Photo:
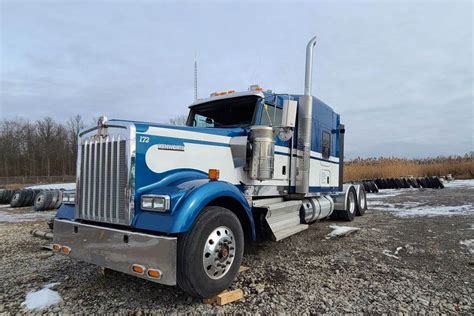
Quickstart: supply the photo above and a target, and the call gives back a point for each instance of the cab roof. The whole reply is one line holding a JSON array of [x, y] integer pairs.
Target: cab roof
[[228, 96]]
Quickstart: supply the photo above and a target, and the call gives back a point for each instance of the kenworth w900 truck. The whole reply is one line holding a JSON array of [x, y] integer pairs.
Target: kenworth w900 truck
[[177, 204]]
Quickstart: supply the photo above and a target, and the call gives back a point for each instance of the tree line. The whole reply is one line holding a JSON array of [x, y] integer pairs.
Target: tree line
[[44, 147], [41, 148]]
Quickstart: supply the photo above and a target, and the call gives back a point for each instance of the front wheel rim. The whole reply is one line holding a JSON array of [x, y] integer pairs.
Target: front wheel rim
[[219, 252]]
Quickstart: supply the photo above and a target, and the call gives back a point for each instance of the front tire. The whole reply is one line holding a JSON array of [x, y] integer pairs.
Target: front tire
[[209, 255]]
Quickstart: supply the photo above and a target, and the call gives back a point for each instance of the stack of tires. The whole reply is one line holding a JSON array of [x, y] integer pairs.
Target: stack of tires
[[24, 197], [373, 186], [6, 196], [47, 200], [369, 186], [430, 182]]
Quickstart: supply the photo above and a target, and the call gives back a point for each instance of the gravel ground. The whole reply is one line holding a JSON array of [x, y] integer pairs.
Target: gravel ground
[[362, 272]]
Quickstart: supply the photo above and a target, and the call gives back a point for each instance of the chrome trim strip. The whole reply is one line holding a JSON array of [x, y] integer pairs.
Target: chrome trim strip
[[106, 176], [95, 128], [95, 182], [130, 186], [99, 193], [117, 187], [83, 166], [111, 205], [89, 203]]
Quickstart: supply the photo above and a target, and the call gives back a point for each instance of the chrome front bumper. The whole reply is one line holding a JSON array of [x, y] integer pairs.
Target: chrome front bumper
[[118, 249]]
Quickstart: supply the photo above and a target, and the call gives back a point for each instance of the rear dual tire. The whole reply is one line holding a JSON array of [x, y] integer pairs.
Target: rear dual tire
[[209, 255], [349, 213], [361, 202]]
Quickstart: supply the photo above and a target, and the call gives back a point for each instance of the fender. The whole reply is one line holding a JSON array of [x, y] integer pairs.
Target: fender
[[188, 198], [66, 211], [196, 200]]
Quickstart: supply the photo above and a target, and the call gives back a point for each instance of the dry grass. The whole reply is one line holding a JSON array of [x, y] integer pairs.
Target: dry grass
[[461, 167]]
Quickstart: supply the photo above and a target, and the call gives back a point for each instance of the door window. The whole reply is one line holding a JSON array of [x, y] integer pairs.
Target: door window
[[326, 145]]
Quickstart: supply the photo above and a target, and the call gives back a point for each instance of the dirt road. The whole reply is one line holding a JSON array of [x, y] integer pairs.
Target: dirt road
[[395, 263]]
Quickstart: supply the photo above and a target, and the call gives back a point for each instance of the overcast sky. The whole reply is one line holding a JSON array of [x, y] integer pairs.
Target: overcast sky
[[400, 73]]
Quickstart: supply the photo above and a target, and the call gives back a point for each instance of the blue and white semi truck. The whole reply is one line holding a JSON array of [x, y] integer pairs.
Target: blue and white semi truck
[[177, 205]]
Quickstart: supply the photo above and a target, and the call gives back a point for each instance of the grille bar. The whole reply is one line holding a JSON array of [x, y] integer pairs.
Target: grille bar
[[103, 181], [117, 183]]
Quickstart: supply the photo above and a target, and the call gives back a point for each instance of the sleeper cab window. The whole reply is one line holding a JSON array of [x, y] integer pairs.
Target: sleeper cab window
[[326, 145]]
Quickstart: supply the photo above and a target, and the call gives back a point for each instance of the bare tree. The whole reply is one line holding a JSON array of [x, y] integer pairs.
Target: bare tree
[[45, 147], [74, 126]]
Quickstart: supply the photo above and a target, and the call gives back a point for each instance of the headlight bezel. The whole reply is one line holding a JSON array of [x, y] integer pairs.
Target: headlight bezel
[[69, 197], [155, 202]]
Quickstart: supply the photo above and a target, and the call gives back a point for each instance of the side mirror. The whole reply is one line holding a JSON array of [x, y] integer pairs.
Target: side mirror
[[288, 116]]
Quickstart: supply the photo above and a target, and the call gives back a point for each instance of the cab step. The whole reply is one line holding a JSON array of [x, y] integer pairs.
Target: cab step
[[283, 217], [279, 235]]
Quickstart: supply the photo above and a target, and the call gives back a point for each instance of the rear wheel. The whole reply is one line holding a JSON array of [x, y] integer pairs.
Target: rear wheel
[[361, 203], [209, 255], [351, 205]]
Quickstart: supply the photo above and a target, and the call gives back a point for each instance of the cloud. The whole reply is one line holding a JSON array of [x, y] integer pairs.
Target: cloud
[[400, 75]]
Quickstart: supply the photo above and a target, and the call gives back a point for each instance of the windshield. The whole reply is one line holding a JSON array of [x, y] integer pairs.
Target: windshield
[[233, 112]]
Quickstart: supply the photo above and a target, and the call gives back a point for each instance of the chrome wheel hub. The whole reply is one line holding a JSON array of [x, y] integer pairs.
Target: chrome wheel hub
[[351, 203], [219, 252], [363, 201]]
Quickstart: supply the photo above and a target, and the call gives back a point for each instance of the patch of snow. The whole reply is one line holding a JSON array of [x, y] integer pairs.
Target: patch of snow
[[412, 209], [44, 298], [386, 193], [397, 250], [460, 183], [469, 243], [51, 285], [16, 218], [388, 253], [339, 231], [57, 186]]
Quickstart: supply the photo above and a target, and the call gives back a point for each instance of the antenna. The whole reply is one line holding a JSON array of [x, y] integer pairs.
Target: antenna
[[195, 77]]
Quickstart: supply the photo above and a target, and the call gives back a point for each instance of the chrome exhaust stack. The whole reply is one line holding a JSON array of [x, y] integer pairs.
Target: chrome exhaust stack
[[305, 112]]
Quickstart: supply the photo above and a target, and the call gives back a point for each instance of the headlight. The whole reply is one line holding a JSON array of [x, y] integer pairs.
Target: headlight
[[69, 197], [159, 203]]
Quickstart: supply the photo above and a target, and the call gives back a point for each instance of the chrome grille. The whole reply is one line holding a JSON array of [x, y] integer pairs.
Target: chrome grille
[[102, 181]]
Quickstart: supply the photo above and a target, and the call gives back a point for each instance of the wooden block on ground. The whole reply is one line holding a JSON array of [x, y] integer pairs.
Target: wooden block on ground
[[243, 269], [225, 297]]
